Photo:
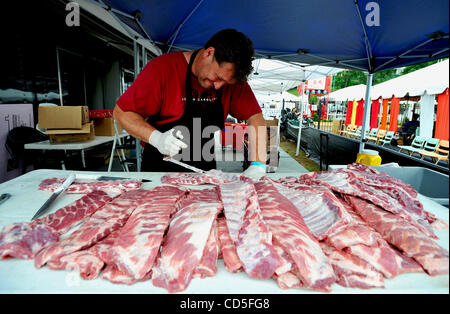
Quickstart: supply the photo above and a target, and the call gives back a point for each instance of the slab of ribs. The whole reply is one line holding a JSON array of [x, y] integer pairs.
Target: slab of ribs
[[354, 227]]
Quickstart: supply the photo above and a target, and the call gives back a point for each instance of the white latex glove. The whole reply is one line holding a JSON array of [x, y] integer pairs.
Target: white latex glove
[[255, 171], [167, 143]]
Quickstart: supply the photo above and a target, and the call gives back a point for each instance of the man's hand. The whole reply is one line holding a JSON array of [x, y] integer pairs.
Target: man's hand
[[166, 142], [255, 171]]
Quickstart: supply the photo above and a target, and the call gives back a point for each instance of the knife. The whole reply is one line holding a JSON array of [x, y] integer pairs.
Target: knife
[[4, 197], [55, 194], [182, 164], [106, 178]]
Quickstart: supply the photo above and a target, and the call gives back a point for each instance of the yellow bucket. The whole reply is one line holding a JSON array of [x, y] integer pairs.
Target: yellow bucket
[[368, 157]]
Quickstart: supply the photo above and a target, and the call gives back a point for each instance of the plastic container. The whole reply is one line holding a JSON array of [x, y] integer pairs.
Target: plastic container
[[427, 182], [368, 157]]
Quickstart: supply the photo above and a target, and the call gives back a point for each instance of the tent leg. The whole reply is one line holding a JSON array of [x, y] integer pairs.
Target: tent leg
[[300, 120], [367, 109], [137, 68]]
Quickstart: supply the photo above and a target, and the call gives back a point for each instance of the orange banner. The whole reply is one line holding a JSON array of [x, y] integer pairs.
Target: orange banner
[[442, 117], [393, 119], [384, 115]]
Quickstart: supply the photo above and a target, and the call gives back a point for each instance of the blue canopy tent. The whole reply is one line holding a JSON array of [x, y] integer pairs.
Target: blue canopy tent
[[365, 35]]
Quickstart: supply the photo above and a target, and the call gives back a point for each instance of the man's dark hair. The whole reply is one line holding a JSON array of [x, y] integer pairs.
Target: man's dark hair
[[233, 46], [415, 116]]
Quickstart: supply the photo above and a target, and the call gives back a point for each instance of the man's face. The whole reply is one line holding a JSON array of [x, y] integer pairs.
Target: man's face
[[211, 74]]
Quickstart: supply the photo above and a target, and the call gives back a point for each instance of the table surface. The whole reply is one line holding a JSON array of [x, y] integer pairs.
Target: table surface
[[20, 276], [98, 140]]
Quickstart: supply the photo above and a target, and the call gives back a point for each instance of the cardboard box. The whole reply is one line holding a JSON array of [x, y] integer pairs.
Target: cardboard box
[[86, 133], [62, 117], [105, 127]]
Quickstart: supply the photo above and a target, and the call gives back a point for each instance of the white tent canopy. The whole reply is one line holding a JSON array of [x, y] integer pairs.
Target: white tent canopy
[[354, 92], [431, 80], [276, 97], [274, 76]]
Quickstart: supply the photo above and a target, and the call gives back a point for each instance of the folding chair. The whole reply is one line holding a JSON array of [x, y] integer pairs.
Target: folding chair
[[357, 132], [350, 129], [429, 146], [441, 152], [416, 145], [387, 138]]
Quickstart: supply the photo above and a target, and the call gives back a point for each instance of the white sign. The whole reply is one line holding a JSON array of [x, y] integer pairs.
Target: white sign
[[318, 83], [271, 113]]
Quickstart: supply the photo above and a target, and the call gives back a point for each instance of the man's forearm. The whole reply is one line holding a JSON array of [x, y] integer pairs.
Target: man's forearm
[[257, 138], [134, 123]]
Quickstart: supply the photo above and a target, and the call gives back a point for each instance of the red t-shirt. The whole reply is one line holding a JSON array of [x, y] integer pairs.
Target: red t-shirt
[[159, 90]]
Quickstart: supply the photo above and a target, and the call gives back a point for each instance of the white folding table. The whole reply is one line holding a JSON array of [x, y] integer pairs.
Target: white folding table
[[81, 146], [20, 276]]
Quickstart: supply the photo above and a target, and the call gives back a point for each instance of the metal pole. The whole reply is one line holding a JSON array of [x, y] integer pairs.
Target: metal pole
[[136, 72], [367, 108], [144, 56], [300, 120], [59, 78]]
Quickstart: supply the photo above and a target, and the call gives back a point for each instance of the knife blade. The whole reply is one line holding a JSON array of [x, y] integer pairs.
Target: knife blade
[[182, 164], [55, 194], [106, 178], [4, 197]]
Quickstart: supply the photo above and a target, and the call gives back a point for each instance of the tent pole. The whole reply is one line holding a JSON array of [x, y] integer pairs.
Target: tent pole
[[136, 72], [367, 109], [300, 120], [175, 34]]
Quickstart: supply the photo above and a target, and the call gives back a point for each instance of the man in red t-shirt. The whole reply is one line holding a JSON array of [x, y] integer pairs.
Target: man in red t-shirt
[[180, 99]]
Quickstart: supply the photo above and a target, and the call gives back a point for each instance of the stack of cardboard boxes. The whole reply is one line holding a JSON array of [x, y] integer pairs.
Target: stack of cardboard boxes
[[66, 124], [104, 122]]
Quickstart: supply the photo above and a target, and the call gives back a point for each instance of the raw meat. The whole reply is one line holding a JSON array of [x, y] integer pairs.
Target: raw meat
[[352, 271], [208, 264], [433, 258], [230, 258], [24, 240], [360, 240], [87, 186], [71, 215], [109, 218], [357, 231], [89, 263], [353, 183], [289, 229], [322, 212], [385, 259], [185, 242], [214, 177], [135, 249], [248, 230]]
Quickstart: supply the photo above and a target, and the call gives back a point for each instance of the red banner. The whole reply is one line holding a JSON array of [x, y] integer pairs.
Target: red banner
[[360, 113], [374, 114]]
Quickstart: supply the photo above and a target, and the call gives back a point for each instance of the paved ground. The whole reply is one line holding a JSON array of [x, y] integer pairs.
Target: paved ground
[[231, 161]]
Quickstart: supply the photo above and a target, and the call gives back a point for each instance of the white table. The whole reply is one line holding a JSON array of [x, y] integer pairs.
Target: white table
[[20, 276], [81, 146]]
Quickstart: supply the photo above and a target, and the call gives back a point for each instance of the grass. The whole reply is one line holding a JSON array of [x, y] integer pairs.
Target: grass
[[291, 147]]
